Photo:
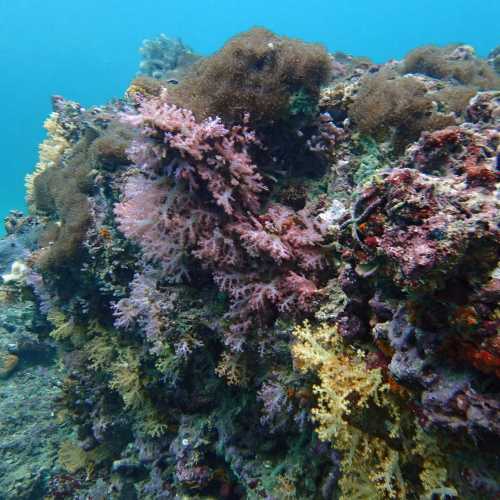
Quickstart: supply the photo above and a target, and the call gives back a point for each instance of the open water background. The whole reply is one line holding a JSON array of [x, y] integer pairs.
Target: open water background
[[88, 50]]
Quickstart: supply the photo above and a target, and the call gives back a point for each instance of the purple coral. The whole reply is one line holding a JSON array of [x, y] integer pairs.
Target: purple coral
[[146, 306], [276, 405]]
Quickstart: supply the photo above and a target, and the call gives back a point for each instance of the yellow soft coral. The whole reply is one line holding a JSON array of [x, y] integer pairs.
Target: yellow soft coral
[[231, 369], [365, 421], [121, 364], [65, 329], [127, 378], [102, 350], [49, 152]]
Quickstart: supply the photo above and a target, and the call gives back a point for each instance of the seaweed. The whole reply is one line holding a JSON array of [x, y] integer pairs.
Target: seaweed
[[386, 103], [456, 98], [61, 193], [256, 72], [109, 150], [453, 62]]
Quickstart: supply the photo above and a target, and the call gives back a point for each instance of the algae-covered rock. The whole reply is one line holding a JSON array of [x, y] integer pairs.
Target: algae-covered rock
[[30, 431], [178, 257]]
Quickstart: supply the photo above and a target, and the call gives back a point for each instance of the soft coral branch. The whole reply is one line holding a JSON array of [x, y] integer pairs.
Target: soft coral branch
[[197, 197]]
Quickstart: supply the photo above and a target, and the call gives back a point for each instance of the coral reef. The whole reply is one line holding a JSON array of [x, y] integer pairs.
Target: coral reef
[[276, 277], [258, 73], [165, 58], [455, 62]]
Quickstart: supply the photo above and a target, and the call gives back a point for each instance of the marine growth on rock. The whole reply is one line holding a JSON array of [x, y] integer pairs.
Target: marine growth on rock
[[274, 277]]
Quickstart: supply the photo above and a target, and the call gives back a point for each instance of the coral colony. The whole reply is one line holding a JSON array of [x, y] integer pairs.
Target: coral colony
[[273, 273]]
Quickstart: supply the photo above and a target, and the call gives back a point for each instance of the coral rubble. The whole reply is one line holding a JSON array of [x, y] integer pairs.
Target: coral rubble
[[274, 278]]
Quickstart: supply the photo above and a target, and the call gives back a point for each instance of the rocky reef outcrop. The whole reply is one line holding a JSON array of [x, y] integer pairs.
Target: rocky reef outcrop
[[297, 298]]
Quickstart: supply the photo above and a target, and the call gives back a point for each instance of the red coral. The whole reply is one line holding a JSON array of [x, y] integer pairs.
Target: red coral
[[486, 357]]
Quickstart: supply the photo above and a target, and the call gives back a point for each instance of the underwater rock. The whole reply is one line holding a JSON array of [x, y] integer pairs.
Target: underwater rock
[[485, 108], [453, 404], [32, 349], [13, 221], [30, 431], [127, 467], [177, 255]]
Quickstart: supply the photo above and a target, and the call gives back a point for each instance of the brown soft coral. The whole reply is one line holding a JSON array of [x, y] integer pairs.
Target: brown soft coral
[[256, 72], [387, 103], [454, 62]]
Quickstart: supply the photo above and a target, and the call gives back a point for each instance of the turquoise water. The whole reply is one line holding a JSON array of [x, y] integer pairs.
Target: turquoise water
[[88, 51]]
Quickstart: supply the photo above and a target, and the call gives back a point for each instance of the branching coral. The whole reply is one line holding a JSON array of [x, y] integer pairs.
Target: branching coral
[[50, 152], [198, 196], [349, 394], [162, 202], [148, 307]]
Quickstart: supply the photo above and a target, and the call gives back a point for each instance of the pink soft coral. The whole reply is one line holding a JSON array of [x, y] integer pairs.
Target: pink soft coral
[[198, 153], [198, 195], [165, 208]]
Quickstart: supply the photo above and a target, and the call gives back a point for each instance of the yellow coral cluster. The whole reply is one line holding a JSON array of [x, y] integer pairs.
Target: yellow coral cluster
[[65, 329], [49, 152], [232, 369], [105, 353], [127, 380], [366, 422], [122, 365]]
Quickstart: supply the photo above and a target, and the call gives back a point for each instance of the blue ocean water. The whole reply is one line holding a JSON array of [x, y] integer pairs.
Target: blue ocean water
[[88, 51]]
